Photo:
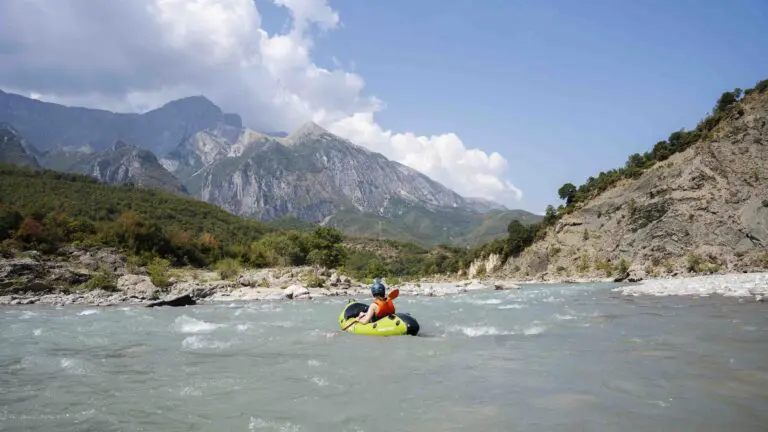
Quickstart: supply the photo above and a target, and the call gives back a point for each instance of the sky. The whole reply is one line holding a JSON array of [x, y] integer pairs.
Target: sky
[[505, 100]]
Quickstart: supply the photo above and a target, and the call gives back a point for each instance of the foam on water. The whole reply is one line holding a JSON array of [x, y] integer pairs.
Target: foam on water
[[485, 302], [191, 391], [203, 342], [321, 382], [475, 331], [74, 366], [89, 312], [186, 324], [259, 424], [512, 306], [27, 315], [534, 330], [37, 331], [244, 327]]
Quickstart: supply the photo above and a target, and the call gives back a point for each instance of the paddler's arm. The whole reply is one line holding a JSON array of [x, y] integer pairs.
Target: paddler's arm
[[368, 315]]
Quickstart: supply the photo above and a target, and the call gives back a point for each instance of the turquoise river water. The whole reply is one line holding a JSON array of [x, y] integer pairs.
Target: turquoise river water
[[547, 357]]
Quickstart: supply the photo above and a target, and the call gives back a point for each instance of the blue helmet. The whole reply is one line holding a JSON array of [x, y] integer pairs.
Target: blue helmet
[[378, 288]]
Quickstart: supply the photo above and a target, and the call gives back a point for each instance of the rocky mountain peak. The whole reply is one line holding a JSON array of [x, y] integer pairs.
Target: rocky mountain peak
[[121, 145], [308, 131], [190, 102]]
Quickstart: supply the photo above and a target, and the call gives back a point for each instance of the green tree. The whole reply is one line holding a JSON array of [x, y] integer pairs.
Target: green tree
[[520, 237], [635, 161], [550, 215], [727, 99], [661, 151], [10, 220], [567, 192], [326, 247]]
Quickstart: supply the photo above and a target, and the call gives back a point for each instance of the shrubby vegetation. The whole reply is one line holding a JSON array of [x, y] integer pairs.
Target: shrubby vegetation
[[406, 260], [45, 210]]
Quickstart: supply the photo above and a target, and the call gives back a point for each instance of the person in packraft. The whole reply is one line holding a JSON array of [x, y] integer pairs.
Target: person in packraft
[[382, 304]]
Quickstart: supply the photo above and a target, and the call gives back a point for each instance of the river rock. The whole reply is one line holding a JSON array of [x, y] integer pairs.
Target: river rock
[[64, 274], [254, 278], [33, 255], [296, 292], [198, 290], [138, 286], [185, 300], [98, 258], [20, 268], [636, 275], [477, 285], [504, 285]]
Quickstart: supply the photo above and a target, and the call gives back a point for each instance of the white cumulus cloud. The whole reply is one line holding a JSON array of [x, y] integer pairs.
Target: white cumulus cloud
[[134, 55]]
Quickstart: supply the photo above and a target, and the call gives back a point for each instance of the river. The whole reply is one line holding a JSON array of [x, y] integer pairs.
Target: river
[[546, 357]]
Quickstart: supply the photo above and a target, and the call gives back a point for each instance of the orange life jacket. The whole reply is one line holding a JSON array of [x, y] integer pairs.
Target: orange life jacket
[[386, 307]]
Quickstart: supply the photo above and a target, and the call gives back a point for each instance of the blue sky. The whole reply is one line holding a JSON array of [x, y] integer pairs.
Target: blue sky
[[562, 89]]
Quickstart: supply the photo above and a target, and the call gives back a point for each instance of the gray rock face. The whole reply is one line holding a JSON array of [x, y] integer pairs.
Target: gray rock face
[[310, 174], [702, 210], [138, 287], [122, 163], [12, 150], [483, 205]]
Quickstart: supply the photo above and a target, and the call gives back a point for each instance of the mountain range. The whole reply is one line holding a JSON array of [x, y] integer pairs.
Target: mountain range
[[310, 175]]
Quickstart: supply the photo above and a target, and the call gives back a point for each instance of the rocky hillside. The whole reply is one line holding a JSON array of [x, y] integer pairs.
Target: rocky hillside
[[51, 126], [120, 164], [703, 209], [12, 149], [126, 163]]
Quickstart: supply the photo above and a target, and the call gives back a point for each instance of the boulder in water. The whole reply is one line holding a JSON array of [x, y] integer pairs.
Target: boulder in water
[[504, 285], [185, 300]]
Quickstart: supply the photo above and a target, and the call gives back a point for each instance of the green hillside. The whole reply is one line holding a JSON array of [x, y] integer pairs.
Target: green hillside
[[418, 224], [62, 208], [45, 210]]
